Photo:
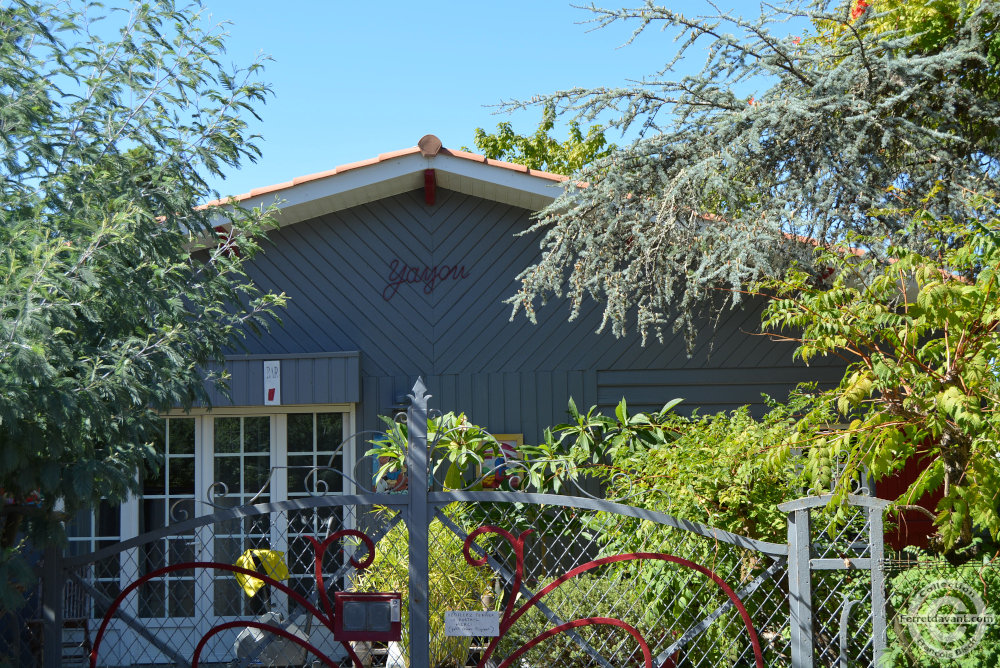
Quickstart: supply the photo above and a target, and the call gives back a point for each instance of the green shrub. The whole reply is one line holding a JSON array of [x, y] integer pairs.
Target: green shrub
[[586, 596]]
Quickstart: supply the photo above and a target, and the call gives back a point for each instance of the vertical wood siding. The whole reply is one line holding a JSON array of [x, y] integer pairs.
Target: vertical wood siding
[[511, 377]]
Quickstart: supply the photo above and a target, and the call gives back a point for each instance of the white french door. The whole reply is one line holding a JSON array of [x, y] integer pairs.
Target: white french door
[[262, 459], [210, 461], [268, 458]]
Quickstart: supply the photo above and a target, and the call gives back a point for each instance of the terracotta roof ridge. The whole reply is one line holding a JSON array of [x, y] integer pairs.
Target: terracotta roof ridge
[[429, 146]]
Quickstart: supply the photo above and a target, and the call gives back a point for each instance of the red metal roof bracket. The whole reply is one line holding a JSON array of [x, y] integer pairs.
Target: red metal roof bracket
[[429, 185]]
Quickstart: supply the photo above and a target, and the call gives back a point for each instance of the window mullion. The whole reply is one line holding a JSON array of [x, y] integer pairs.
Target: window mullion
[[279, 492]]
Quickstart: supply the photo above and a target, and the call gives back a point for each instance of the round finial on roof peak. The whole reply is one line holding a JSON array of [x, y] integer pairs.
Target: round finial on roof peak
[[429, 146]]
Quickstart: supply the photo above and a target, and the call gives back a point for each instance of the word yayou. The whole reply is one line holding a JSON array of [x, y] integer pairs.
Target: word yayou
[[400, 272]]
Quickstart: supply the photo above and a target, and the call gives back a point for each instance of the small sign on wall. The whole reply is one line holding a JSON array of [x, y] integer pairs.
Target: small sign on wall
[[496, 466], [475, 623], [272, 383]]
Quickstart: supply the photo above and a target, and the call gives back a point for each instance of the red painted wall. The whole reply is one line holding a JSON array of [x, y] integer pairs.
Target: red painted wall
[[910, 527]]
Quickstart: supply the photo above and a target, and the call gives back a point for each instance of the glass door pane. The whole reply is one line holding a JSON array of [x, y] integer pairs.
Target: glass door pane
[[242, 460], [314, 466], [90, 530], [167, 498]]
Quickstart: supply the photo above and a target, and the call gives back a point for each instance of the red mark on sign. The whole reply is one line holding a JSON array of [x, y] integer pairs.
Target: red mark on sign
[[270, 394]]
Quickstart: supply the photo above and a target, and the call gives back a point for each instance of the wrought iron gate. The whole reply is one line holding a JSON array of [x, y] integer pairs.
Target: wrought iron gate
[[567, 580]]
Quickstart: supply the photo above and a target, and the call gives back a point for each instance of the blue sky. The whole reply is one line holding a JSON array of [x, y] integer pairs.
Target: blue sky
[[353, 79]]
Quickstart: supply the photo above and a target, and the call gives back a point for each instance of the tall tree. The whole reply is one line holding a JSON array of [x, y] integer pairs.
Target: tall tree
[[108, 313], [540, 150], [853, 130], [921, 341]]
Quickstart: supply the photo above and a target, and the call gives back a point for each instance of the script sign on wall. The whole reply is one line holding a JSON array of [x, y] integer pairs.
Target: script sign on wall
[[430, 277]]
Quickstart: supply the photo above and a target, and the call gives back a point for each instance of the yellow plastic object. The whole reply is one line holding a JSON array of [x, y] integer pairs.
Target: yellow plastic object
[[272, 562]]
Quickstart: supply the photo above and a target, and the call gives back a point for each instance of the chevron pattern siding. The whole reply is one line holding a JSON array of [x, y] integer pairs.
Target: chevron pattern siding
[[419, 290]]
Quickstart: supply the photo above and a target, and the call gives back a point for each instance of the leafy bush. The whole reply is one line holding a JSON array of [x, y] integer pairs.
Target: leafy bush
[[457, 447], [705, 469], [585, 596]]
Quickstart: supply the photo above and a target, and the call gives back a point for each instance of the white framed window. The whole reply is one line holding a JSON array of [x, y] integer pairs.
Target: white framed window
[[90, 530], [168, 496], [260, 453]]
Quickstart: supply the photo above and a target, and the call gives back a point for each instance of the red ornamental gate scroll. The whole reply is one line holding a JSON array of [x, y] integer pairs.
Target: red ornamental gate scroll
[[510, 615]]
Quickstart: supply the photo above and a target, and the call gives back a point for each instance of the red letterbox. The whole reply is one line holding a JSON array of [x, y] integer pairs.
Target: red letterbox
[[367, 616]]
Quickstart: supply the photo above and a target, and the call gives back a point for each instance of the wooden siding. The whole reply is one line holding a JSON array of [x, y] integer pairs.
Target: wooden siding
[[709, 390], [335, 270], [323, 378], [505, 402], [510, 376]]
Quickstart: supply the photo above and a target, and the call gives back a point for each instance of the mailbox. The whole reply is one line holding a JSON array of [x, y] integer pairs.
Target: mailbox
[[367, 616]]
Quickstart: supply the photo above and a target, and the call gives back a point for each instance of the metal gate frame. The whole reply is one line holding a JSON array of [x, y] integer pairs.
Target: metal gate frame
[[804, 556]]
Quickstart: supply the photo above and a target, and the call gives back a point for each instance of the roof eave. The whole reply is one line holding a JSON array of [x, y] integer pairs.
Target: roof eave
[[399, 172]]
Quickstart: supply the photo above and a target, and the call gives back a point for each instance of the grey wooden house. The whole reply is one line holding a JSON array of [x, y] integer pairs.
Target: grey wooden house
[[398, 267]]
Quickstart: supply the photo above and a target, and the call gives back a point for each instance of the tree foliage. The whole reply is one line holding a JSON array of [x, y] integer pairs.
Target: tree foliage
[[852, 131], [930, 24], [710, 473], [108, 313], [921, 336], [693, 467], [541, 150]]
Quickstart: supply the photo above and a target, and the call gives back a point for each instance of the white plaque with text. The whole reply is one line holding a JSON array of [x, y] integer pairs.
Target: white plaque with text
[[477, 623], [272, 383]]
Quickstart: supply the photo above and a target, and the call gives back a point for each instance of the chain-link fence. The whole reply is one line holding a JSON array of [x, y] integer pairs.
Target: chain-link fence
[[942, 614], [597, 567], [571, 582], [184, 598], [842, 594], [581, 565]]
